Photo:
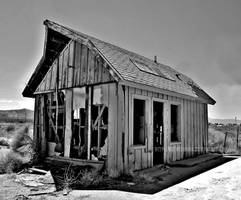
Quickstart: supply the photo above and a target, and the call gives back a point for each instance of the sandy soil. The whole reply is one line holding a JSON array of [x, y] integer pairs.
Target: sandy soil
[[222, 182]]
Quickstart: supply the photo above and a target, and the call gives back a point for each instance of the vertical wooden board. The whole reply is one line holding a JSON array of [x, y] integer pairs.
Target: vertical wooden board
[[65, 67], [90, 67], [144, 162], [195, 136], [192, 128], [68, 121], [120, 129], [206, 124], [96, 69], [43, 133], [100, 69], [84, 64], [138, 159], [189, 129], [138, 91], [71, 53], [166, 119], [105, 75], [182, 131], [175, 152], [77, 63], [54, 75], [36, 120], [185, 129], [112, 130], [198, 129], [60, 70], [70, 65], [149, 94], [48, 79], [144, 92], [201, 128], [127, 146]]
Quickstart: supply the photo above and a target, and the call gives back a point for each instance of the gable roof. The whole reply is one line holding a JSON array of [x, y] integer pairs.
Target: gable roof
[[127, 65]]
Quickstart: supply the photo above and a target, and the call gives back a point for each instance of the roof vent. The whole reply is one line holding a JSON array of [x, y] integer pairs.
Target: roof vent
[[155, 59]]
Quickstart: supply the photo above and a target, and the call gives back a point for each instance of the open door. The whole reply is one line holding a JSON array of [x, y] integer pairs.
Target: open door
[[158, 134]]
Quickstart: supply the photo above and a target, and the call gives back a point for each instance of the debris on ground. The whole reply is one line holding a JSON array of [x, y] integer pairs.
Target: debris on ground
[[37, 183]]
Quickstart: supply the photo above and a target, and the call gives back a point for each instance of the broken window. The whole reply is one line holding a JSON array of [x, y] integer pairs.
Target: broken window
[[79, 139], [175, 123], [55, 119], [99, 124], [139, 122]]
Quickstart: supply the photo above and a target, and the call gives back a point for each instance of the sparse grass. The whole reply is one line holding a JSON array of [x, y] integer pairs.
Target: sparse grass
[[10, 127]]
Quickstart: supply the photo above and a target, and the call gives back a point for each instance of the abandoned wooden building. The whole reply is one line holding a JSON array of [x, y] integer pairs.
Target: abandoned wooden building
[[98, 103]]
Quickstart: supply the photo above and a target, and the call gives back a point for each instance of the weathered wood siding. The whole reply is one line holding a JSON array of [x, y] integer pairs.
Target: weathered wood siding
[[194, 130], [77, 65]]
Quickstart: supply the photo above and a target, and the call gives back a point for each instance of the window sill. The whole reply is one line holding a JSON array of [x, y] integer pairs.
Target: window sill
[[138, 146], [173, 143]]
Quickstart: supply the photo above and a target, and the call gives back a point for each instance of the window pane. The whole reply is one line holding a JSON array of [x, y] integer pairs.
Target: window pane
[[139, 122], [175, 124]]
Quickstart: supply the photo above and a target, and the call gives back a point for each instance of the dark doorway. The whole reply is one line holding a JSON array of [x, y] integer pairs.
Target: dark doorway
[[158, 134]]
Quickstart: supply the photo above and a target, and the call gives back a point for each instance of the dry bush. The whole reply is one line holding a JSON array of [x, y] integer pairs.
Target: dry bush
[[11, 162], [10, 127]]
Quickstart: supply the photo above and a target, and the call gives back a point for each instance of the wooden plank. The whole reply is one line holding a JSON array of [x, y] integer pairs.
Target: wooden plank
[[65, 67], [126, 103], [182, 131], [189, 128], [112, 130], [138, 159], [96, 69], [100, 67], [120, 129], [42, 130], [84, 64], [186, 153], [77, 64], [68, 122], [72, 54], [195, 129], [90, 67], [89, 130], [60, 70], [167, 124]]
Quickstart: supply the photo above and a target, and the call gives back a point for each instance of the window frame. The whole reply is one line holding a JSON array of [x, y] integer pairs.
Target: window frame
[[147, 120], [180, 115]]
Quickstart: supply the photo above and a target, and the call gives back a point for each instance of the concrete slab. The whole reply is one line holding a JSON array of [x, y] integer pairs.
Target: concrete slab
[[194, 161]]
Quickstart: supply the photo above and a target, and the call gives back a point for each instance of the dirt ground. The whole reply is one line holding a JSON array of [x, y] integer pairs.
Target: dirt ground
[[173, 175]]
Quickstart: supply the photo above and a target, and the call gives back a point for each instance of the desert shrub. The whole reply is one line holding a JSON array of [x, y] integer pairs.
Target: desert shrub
[[10, 127], [20, 138], [11, 162], [77, 177], [3, 142]]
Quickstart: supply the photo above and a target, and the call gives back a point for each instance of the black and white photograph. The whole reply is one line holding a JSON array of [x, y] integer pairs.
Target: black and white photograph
[[120, 99]]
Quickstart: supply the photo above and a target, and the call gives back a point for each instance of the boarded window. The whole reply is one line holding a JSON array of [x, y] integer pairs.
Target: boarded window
[[175, 123], [139, 122]]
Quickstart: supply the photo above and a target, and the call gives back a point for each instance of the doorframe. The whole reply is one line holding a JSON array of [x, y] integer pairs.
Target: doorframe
[[166, 126]]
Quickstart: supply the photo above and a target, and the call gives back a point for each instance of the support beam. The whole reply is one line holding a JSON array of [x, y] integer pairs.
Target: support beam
[[89, 122], [68, 122]]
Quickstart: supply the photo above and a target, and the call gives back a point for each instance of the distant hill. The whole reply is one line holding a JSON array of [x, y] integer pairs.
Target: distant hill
[[21, 115], [223, 121]]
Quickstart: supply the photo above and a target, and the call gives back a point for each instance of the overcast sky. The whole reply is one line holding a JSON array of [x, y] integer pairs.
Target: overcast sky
[[200, 38]]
